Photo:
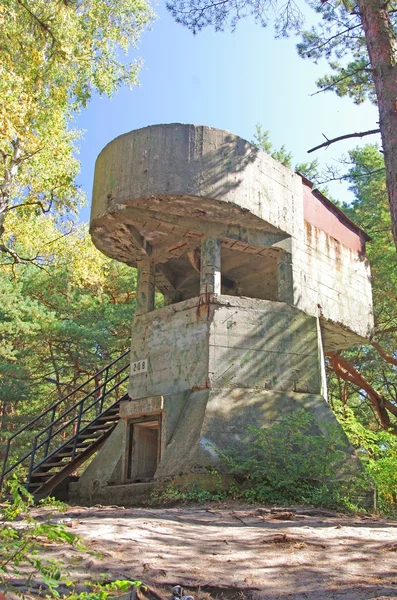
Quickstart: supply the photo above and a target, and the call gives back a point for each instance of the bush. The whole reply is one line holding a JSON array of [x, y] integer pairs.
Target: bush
[[378, 452], [297, 460]]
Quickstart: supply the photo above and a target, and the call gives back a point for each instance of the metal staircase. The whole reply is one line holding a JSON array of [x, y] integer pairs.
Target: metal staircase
[[66, 434]]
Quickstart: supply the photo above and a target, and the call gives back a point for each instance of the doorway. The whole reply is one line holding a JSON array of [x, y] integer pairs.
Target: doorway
[[144, 446]]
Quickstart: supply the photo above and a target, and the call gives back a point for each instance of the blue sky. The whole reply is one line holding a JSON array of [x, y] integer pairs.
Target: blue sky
[[227, 80]]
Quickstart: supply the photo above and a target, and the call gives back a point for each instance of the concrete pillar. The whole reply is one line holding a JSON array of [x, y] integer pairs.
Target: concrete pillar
[[285, 288], [210, 274], [145, 287]]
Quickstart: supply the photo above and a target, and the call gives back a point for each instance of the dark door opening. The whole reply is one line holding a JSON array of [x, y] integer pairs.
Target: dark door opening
[[143, 448]]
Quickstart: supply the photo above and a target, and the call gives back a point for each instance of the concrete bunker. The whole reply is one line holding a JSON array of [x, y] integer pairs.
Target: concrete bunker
[[261, 276]]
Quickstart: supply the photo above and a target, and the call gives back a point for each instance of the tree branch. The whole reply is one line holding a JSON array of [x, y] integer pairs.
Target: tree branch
[[349, 373], [42, 25], [331, 85], [389, 359], [17, 259], [347, 176], [343, 137], [339, 34]]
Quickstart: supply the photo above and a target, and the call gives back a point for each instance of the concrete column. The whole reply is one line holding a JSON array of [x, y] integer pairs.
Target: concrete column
[[285, 287], [210, 274], [145, 287]]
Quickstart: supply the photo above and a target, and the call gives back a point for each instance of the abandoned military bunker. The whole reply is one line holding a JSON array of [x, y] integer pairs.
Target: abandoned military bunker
[[261, 276]]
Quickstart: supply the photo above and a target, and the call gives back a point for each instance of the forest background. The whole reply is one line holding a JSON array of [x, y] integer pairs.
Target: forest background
[[66, 309]]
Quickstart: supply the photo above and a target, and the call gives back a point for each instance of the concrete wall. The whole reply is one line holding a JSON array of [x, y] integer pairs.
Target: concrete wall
[[174, 341], [213, 370], [263, 345], [229, 342], [164, 187], [221, 367], [335, 279]]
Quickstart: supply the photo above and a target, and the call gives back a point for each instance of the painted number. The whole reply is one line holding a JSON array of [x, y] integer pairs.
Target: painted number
[[140, 366]]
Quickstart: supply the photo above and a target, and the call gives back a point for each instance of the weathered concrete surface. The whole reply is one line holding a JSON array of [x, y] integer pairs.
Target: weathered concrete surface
[[160, 190], [262, 275], [119, 495], [214, 370], [228, 342]]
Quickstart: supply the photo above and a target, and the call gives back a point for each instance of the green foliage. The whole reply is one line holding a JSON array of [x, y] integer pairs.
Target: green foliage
[[103, 591], [262, 141], [296, 460], [55, 55], [339, 39], [378, 452], [186, 494], [197, 14], [61, 324], [20, 545]]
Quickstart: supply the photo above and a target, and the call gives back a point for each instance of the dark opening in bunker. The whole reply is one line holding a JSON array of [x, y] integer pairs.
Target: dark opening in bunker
[[242, 274], [250, 275], [144, 444]]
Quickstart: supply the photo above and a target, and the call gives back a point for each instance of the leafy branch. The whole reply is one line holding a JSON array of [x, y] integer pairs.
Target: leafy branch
[[348, 75]]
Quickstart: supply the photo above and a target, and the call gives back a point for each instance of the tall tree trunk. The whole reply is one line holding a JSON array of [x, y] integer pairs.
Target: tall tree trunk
[[382, 49]]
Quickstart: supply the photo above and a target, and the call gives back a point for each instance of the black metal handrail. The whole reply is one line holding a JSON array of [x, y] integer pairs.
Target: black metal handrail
[[98, 395]]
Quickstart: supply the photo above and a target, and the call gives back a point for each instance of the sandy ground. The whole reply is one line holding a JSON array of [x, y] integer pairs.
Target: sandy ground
[[238, 552]]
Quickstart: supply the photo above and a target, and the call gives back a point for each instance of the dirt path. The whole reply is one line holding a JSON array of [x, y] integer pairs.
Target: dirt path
[[240, 552]]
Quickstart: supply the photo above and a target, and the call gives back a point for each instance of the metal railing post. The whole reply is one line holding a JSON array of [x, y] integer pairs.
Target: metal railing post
[[47, 444], [76, 435], [103, 393], [31, 466], [4, 464]]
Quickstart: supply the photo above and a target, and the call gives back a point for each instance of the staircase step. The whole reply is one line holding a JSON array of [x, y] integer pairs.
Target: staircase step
[[112, 415], [55, 464], [65, 454], [71, 446], [100, 426], [94, 433], [49, 466]]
